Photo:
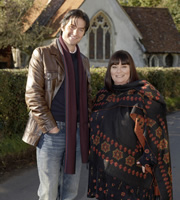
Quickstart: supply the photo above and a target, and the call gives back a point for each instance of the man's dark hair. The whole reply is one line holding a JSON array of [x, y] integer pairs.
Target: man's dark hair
[[75, 13]]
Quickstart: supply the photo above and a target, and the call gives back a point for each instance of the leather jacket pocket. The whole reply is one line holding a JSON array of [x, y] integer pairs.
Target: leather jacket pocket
[[50, 80]]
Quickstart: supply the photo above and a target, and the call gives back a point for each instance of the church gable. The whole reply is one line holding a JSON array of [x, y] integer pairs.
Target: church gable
[[111, 29]]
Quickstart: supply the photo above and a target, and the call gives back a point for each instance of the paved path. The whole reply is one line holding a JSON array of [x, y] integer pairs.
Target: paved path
[[174, 137], [23, 186]]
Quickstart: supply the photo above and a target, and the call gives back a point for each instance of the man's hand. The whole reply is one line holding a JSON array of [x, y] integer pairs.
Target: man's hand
[[55, 130]]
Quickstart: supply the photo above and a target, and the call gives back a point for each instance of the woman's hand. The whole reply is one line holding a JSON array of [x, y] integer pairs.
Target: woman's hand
[[143, 168]]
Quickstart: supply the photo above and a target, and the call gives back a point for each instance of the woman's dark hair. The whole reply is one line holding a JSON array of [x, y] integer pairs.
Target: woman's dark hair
[[125, 59], [75, 13]]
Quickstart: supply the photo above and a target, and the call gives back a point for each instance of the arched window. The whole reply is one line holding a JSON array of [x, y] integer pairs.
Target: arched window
[[100, 37], [169, 60], [154, 61]]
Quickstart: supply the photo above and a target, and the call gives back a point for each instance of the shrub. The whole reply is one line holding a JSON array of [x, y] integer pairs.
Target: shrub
[[166, 80], [97, 79], [13, 109]]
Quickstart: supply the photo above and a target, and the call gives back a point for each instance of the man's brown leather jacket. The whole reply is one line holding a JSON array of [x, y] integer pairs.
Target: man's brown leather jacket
[[45, 76]]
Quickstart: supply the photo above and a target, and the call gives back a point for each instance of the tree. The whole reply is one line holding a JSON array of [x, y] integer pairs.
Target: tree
[[174, 9], [141, 3], [11, 26], [173, 6]]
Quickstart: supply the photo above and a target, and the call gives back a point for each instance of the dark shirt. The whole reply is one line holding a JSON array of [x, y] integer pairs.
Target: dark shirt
[[58, 103]]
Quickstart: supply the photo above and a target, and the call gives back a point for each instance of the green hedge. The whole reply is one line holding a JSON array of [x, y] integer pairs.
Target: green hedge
[[166, 80], [13, 110]]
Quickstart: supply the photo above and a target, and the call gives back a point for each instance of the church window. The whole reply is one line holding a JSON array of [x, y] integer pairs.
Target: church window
[[154, 61], [100, 37], [169, 60]]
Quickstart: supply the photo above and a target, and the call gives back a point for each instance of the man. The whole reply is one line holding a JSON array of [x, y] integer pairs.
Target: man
[[58, 96]]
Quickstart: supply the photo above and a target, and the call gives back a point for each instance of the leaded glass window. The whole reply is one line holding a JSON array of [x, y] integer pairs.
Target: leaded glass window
[[100, 37]]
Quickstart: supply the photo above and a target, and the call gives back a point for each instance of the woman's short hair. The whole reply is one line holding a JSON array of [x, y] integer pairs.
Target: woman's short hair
[[125, 59], [75, 13]]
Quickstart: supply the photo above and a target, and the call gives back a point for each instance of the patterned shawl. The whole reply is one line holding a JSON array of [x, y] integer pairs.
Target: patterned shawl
[[129, 125]]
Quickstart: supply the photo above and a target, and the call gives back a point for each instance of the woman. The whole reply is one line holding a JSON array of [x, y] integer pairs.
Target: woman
[[129, 150]]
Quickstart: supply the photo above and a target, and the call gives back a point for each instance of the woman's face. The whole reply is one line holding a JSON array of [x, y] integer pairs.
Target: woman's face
[[120, 74]]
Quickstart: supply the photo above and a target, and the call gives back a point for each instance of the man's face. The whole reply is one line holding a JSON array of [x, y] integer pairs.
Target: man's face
[[73, 31]]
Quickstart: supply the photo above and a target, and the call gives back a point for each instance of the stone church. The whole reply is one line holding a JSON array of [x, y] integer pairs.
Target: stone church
[[148, 34]]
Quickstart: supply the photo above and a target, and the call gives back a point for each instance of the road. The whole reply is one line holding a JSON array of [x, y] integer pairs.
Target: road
[[23, 185]]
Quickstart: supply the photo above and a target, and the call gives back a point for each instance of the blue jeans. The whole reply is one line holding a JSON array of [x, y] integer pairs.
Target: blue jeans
[[54, 183]]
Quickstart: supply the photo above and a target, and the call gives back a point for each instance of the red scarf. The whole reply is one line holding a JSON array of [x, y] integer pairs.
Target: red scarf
[[71, 110]]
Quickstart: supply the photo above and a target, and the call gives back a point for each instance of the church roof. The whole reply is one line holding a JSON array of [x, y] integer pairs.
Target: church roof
[[157, 28], [34, 13], [49, 13]]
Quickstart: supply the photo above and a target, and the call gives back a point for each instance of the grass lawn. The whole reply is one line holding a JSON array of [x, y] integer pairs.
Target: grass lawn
[[15, 154]]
